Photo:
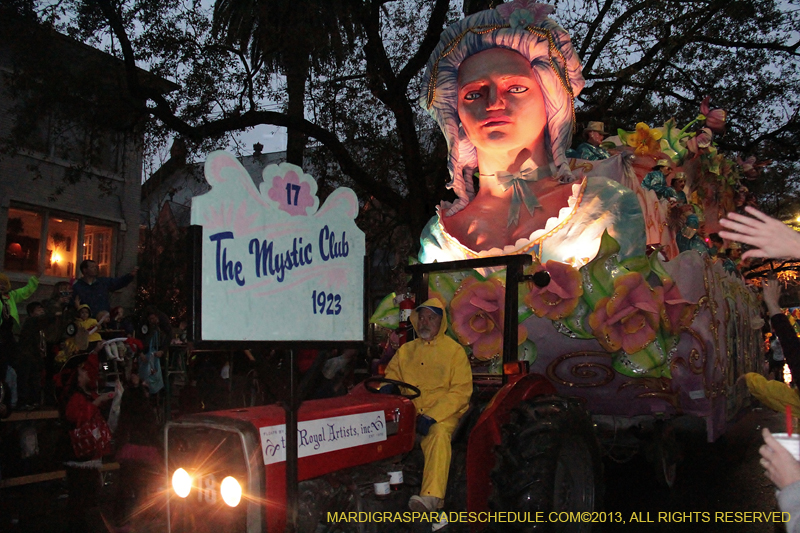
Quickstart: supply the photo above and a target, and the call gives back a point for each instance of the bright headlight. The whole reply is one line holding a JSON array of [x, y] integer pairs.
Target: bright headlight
[[231, 491], [181, 482]]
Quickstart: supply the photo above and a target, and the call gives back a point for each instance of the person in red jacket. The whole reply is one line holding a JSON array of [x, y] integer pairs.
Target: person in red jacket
[[83, 473]]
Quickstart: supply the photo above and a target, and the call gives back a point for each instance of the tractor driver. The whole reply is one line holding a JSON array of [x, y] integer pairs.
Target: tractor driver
[[438, 366]]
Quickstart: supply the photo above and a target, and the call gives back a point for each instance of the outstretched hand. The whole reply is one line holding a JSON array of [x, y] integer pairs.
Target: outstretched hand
[[781, 468], [769, 236], [772, 293]]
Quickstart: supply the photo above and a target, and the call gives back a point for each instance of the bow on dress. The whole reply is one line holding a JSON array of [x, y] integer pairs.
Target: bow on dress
[[521, 194]]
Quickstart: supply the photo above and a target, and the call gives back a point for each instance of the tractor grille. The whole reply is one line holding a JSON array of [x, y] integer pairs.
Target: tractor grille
[[209, 452]]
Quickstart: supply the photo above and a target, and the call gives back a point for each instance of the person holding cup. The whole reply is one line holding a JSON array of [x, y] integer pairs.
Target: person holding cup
[[783, 469]]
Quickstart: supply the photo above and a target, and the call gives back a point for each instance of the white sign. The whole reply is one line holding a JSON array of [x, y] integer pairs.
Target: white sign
[[276, 265], [324, 435]]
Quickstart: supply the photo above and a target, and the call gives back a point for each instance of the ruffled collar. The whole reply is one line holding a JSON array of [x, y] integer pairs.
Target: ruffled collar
[[552, 225]]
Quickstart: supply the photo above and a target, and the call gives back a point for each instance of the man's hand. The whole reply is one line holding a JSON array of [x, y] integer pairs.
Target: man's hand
[[424, 424], [781, 468], [134, 271], [769, 236]]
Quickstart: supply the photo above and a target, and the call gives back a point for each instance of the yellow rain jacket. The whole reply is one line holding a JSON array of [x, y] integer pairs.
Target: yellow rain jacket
[[774, 394], [441, 371]]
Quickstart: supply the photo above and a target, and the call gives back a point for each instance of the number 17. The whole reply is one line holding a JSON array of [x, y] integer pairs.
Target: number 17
[[289, 188]]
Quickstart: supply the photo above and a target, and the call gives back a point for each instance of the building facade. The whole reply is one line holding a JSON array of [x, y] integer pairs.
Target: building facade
[[69, 190]]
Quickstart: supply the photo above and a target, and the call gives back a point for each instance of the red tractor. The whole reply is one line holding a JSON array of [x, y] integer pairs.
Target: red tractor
[[521, 449]]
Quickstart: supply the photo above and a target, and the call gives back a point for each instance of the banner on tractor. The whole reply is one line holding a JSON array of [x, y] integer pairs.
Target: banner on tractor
[[324, 435], [277, 266]]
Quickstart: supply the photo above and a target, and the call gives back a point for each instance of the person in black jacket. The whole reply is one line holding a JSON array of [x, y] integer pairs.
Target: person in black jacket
[[782, 327]]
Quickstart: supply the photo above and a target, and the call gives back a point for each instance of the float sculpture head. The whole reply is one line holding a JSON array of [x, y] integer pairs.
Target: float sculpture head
[[521, 26]]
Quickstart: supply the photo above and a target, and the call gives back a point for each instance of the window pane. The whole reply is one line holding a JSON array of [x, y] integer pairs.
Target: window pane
[[97, 247], [62, 240], [23, 236]]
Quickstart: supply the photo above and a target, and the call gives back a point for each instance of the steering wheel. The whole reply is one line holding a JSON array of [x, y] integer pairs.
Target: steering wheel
[[415, 392]]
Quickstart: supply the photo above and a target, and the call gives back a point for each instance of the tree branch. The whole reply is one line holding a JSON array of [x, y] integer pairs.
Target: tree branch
[[426, 47]]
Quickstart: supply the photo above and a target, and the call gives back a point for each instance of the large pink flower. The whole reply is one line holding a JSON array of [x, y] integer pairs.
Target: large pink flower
[[715, 118], [477, 311], [560, 297], [700, 142], [629, 318], [678, 312]]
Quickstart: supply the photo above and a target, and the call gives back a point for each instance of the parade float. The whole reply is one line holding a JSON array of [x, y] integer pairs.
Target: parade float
[[583, 291]]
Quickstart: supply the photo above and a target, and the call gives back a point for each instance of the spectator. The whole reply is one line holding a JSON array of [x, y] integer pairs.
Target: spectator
[[30, 355], [90, 324], [94, 291], [155, 342], [119, 322], [82, 406], [138, 452], [9, 316], [9, 327], [768, 236], [783, 470]]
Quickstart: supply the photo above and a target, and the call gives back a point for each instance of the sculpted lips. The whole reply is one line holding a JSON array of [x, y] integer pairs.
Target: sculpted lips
[[496, 121]]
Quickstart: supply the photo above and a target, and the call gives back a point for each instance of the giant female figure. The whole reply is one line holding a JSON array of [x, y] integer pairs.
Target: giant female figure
[[501, 84]]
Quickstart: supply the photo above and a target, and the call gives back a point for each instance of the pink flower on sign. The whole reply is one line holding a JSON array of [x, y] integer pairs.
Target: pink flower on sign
[[291, 194], [522, 13]]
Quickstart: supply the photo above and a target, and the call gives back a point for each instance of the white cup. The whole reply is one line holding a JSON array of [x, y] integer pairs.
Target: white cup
[[382, 488], [396, 479], [790, 443]]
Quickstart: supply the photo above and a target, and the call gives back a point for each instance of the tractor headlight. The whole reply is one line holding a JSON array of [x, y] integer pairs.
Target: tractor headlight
[[182, 482], [231, 491]]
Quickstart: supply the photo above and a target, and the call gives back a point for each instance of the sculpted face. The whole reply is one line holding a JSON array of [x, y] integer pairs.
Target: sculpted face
[[500, 103]]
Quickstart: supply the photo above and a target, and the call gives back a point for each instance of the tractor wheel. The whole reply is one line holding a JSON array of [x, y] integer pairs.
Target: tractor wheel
[[548, 461]]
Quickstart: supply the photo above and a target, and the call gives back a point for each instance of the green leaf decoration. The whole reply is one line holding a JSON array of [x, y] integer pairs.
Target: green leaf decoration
[[651, 362], [527, 352], [447, 283], [623, 136], [387, 314], [639, 263], [523, 311], [658, 268], [575, 325], [598, 281]]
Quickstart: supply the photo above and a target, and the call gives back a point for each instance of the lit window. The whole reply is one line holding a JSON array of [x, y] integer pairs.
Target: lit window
[[23, 239], [97, 247], [40, 240], [61, 254]]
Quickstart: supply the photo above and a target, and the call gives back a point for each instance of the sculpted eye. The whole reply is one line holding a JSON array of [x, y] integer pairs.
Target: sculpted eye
[[517, 89], [472, 95]]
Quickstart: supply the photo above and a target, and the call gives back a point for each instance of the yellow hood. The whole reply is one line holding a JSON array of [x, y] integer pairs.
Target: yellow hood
[[431, 302]]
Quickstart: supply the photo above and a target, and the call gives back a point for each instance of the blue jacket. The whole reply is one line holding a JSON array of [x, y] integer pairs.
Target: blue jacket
[[96, 294]]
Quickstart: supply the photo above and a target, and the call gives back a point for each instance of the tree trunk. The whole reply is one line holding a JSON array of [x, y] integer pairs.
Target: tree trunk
[[296, 70]]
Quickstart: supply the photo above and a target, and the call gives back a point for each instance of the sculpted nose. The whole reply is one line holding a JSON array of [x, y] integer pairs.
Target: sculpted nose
[[495, 99]]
